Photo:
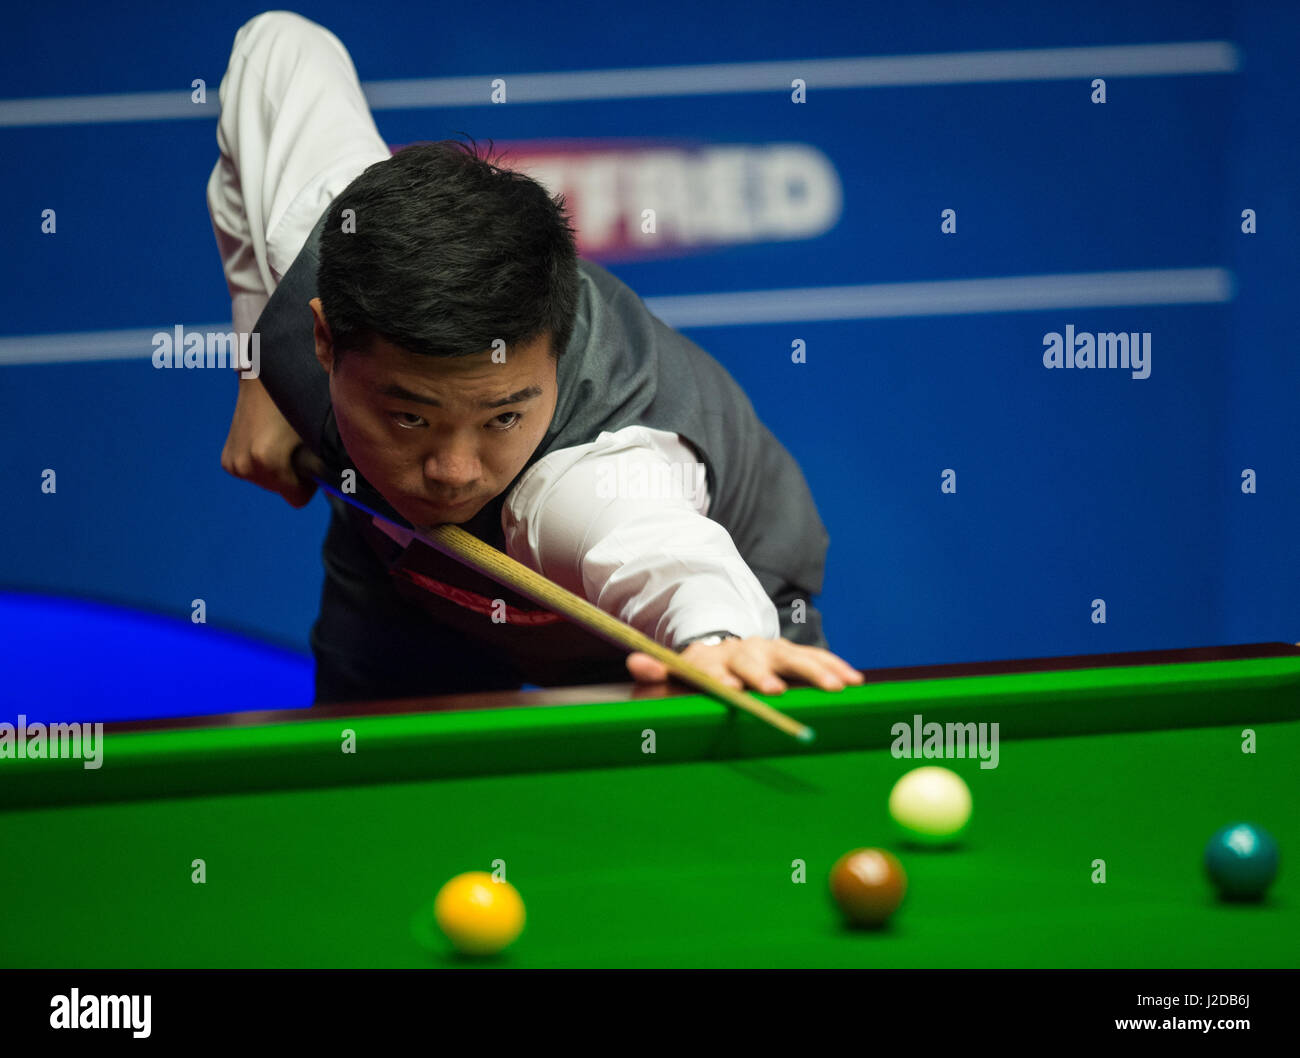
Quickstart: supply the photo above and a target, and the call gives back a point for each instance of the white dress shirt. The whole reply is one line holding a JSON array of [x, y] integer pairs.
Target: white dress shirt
[[294, 131], [622, 520]]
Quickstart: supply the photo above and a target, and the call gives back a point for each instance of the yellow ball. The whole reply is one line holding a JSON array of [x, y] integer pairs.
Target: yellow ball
[[931, 805], [479, 915]]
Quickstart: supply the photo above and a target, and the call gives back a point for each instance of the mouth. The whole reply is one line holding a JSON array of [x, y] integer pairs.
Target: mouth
[[443, 509]]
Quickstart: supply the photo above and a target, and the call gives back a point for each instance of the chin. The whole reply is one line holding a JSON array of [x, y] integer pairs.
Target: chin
[[425, 519], [425, 515]]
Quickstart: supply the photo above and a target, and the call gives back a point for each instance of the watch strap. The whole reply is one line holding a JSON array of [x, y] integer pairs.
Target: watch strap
[[709, 639]]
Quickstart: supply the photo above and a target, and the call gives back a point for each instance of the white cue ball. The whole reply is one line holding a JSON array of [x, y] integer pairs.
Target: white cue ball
[[931, 805]]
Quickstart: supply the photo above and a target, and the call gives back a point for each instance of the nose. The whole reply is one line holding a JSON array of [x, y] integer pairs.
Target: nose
[[451, 470]]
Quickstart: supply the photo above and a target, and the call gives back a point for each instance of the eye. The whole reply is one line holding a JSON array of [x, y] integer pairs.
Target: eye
[[513, 416], [408, 420]]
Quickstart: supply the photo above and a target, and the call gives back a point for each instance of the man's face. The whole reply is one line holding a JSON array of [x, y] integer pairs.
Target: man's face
[[439, 437]]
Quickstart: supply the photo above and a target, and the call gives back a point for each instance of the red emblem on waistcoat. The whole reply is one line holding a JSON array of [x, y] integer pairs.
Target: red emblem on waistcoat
[[479, 604]]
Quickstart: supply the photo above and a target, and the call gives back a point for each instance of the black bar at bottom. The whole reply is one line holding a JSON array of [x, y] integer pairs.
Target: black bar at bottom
[[908, 1009]]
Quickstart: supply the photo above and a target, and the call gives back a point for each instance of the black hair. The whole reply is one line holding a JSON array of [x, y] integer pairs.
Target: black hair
[[449, 253]]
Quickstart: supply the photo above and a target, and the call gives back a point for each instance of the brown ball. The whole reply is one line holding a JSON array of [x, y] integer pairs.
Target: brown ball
[[868, 885]]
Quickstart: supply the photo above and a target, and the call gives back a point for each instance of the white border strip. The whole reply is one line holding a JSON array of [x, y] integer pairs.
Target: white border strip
[[90, 346], [953, 297], [104, 109], [971, 67]]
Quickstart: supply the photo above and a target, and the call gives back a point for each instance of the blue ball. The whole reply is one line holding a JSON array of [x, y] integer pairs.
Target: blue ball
[[1241, 860]]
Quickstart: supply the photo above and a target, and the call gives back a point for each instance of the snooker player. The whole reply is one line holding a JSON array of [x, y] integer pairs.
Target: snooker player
[[425, 321]]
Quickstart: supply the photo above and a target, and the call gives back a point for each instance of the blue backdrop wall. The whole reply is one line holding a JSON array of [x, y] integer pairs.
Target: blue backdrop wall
[[924, 349]]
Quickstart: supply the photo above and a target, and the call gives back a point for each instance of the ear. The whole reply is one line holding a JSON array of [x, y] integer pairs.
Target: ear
[[324, 341]]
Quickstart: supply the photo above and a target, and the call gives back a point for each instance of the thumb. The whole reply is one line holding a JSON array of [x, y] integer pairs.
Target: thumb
[[645, 669], [296, 491]]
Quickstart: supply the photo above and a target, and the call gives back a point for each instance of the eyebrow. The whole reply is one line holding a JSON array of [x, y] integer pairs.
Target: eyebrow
[[402, 393]]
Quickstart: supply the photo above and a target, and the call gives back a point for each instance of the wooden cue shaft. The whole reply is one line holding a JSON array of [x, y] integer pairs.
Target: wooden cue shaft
[[454, 541], [468, 549]]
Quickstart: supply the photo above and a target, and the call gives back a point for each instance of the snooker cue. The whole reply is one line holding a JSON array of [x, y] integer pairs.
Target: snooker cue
[[469, 550]]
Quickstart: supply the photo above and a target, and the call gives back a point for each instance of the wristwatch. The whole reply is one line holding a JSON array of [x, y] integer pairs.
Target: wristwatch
[[708, 639]]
